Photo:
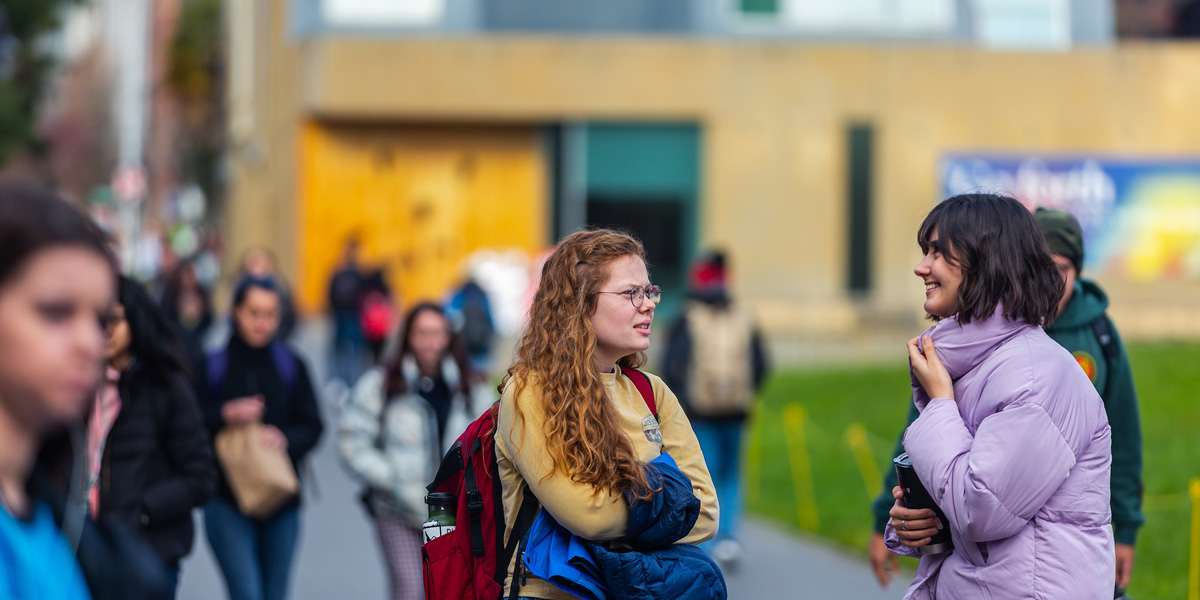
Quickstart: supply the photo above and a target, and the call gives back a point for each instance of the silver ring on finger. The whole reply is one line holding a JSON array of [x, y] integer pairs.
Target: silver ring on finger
[[903, 525]]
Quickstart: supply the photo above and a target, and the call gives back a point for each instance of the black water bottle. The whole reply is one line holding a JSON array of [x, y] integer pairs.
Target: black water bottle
[[916, 496]]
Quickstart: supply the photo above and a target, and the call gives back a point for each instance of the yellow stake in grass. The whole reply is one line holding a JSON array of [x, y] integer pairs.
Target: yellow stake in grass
[[802, 480], [754, 458], [856, 437], [1194, 560]]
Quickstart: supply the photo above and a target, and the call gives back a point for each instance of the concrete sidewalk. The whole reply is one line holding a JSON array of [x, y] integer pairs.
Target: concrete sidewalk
[[781, 565]]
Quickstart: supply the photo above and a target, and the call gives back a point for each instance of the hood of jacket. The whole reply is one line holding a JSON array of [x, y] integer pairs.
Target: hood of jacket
[[1087, 303]]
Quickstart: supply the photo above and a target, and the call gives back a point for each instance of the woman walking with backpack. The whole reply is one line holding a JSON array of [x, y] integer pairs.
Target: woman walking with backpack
[[397, 425], [152, 462], [574, 433], [257, 379], [1012, 442]]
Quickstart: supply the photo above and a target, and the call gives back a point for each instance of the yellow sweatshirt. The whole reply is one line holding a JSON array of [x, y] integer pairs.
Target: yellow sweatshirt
[[599, 517]]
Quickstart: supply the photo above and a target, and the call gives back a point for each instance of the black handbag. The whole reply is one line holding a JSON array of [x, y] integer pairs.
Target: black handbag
[[116, 564]]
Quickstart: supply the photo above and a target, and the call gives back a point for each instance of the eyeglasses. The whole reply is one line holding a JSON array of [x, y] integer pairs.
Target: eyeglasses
[[638, 294]]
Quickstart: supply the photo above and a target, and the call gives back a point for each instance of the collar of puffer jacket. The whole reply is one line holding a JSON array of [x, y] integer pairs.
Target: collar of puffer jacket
[[961, 347]]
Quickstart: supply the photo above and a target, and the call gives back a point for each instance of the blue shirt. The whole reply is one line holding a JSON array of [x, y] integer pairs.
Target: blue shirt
[[36, 563]]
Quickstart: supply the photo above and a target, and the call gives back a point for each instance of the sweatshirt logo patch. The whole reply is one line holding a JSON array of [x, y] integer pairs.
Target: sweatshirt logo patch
[[1088, 363], [650, 428]]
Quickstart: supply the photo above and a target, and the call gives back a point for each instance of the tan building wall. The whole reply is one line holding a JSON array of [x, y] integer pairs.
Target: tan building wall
[[773, 118]]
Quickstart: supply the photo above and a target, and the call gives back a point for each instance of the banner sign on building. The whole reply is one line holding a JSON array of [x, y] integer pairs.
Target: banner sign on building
[[1140, 218]]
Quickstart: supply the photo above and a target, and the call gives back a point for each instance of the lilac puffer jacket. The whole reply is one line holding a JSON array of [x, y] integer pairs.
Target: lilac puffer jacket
[[1019, 465]]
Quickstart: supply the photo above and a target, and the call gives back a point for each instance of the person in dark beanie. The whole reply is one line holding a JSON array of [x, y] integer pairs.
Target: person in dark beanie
[[716, 363], [1082, 327]]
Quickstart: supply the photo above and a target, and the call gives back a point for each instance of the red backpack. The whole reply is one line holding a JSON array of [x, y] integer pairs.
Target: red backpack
[[471, 562], [377, 315]]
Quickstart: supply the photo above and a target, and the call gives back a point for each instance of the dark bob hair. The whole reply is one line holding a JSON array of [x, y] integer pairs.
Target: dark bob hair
[[34, 219], [247, 283], [1002, 254]]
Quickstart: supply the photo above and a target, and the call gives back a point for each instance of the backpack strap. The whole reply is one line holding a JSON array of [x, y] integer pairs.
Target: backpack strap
[[474, 501], [1108, 344], [285, 364], [642, 383], [218, 363], [516, 542]]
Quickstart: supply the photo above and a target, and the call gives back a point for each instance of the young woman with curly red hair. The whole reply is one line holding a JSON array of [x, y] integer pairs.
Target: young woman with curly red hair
[[573, 428]]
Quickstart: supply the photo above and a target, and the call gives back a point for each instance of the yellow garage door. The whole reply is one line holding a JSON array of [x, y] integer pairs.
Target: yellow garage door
[[420, 199]]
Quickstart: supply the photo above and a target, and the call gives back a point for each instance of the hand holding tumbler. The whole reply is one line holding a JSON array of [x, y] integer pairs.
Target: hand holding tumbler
[[916, 496]]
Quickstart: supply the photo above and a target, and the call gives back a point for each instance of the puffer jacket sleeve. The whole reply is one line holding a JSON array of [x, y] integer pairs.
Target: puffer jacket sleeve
[[358, 431], [991, 484], [669, 514]]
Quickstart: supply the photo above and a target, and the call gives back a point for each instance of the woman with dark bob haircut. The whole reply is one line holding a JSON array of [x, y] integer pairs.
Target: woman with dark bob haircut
[[1012, 442]]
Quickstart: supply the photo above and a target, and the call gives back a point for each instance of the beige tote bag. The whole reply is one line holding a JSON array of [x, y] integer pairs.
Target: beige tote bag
[[262, 478]]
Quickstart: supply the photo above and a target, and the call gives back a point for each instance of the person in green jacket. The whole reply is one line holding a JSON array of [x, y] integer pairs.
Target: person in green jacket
[[1083, 328]]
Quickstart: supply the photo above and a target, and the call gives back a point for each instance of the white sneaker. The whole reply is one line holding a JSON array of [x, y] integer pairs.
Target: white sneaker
[[728, 553]]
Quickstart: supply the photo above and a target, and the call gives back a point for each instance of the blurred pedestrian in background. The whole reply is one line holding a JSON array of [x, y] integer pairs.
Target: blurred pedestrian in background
[[56, 292], [259, 263], [1084, 329], [188, 305], [470, 311], [346, 289], [151, 458], [1013, 443], [401, 419], [716, 363], [258, 379], [378, 314]]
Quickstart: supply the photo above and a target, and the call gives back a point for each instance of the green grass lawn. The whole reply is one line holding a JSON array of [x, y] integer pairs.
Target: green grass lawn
[[876, 398]]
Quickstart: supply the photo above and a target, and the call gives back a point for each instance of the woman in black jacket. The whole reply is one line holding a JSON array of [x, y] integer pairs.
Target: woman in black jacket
[[257, 378], [146, 434]]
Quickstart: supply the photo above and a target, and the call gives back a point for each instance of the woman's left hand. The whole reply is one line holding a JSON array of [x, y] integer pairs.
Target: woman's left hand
[[932, 376]]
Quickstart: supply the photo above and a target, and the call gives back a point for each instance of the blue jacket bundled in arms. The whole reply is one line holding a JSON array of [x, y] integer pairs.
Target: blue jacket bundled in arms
[[652, 567]]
